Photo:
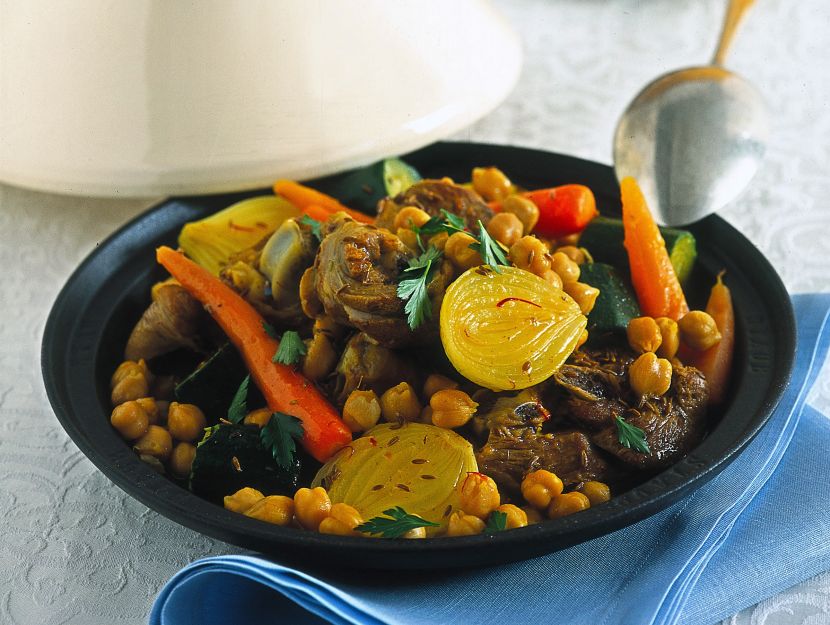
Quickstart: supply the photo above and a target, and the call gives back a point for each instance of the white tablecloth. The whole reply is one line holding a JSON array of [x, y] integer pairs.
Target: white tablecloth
[[75, 549]]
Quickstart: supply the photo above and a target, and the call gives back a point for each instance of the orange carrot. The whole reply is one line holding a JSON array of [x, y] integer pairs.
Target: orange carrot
[[284, 389], [563, 210], [317, 212], [652, 274], [302, 196], [716, 362]]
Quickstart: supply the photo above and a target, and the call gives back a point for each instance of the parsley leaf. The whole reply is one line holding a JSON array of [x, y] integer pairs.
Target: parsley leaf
[[490, 250], [208, 433], [291, 349], [496, 522], [269, 330], [448, 222], [280, 435], [412, 288], [239, 404], [395, 524], [314, 224], [631, 436]]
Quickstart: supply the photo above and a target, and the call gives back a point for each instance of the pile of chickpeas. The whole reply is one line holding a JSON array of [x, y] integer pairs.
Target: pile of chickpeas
[[657, 341], [163, 433], [478, 496]]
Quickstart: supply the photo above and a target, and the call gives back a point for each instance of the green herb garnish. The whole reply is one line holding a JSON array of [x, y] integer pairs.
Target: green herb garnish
[[412, 288], [490, 250], [496, 522], [269, 330], [239, 404], [447, 222], [314, 224], [208, 433], [280, 435], [631, 436], [291, 349], [395, 524]]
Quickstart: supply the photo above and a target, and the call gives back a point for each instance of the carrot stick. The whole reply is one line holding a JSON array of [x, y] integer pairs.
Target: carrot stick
[[284, 389], [317, 212], [652, 274], [302, 196], [716, 362]]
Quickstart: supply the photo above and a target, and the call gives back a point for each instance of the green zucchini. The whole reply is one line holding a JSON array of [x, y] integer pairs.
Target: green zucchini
[[231, 457], [363, 188], [616, 305], [603, 238], [214, 382]]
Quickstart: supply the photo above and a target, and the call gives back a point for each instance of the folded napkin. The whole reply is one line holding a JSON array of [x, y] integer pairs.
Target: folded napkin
[[759, 527]]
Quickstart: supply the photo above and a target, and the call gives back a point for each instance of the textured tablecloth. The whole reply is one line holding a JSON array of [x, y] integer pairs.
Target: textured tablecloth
[[75, 549]]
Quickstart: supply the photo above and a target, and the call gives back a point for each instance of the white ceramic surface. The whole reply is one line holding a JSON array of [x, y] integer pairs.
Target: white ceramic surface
[[153, 97]]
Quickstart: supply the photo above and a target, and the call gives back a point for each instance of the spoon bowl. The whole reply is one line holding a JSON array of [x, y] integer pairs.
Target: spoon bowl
[[693, 139]]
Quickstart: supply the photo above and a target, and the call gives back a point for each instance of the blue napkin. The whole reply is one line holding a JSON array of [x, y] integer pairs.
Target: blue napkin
[[759, 527]]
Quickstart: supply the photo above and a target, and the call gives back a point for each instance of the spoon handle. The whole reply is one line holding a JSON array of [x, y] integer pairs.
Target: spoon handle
[[734, 13]]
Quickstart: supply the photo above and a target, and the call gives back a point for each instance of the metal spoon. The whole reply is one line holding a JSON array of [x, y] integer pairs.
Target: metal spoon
[[695, 137]]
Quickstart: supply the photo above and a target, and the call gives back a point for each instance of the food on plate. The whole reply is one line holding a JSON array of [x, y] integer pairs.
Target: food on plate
[[472, 358]]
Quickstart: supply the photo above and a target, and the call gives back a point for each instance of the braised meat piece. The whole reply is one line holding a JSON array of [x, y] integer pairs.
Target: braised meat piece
[[356, 276], [598, 392], [516, 446], [365, 365], [433, 195]]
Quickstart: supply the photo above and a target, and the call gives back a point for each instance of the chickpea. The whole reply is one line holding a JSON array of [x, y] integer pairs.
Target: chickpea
[[276, 509], [436, 382], [505, 228], [583, 294], [533, 515], [478, 495], [698, 330], [400, 403], [576, 254], [451, 408], [461, 524], [259, 417], [650, 375], [151, 408], [156, 442], [458, 251], [408, 237], [553, 278], [181, 460], [311, 506], [130, 419], [524, 209], [568, 503], [515, 516], [669, 337], [130, 381], [539, 487], [644, 334], [596, 492], [567, 269], [438, 241], [491, 183], [530, 254], [410, 216], [320, 358], [416, 532], [186, 422], [342, 521], [242, 499], [361, 410]]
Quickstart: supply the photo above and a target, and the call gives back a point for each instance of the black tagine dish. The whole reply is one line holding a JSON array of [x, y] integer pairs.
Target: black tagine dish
[[95, 312]]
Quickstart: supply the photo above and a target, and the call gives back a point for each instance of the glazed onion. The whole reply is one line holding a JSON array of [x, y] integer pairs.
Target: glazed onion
[[509, 330]]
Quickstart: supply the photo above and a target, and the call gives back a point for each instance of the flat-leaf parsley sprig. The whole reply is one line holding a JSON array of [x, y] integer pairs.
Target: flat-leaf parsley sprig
[[490, 250], [279, 436], [412, 287], [291, 349], [631, 436], [395, 524]]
